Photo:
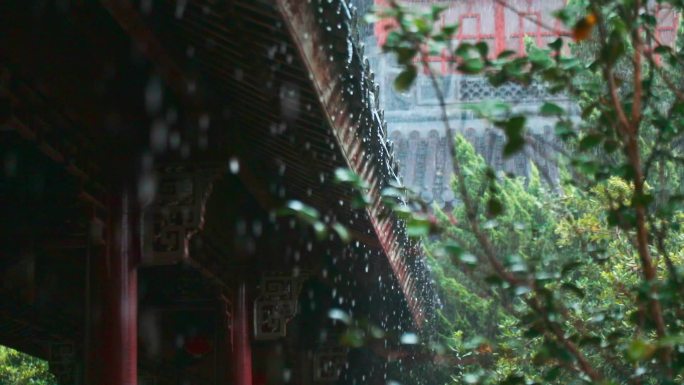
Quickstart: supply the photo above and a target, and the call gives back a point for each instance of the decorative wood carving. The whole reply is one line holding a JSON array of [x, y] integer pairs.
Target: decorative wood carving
[[276, 305], [177, 212], [328, 363]]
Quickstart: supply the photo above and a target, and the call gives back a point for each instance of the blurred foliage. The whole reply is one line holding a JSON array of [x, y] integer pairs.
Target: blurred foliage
[[569, 244], [17, 368], [574, 281], [579, 280]]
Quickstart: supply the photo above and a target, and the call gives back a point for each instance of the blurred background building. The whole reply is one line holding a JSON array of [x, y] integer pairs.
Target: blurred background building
[[413, 117]]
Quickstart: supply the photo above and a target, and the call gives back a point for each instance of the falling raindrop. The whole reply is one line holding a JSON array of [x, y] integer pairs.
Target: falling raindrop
[[180, 8], [234, 165], [174, 140], [289, 101], [158, 136], [409, 338], [257, 228], [203, 122], [147, 188], [153, 95], [145, 6]]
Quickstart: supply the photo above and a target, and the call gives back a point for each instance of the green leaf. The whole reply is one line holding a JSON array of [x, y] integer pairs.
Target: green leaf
[[590, 141], [590, 341], [569, 64], [471, 65], [521, 290], [452, 249], [392, 196], [405, 79], [551, 109], [563, 15], [476, 342], [376, 332], [662, 49], [671, 340], [494, 207], [417, 227], [506, 54], [463, 50], [573, 289], [640, 350], [540, 57], [513, 128], [471, 378], [570, 266], [482, 48], [513, 146], [301, 210], [611, 145], [648, 19], [553, 374], [468, 259], [494, 281], [345, 175], [490, 109], [392, 192], [436, 10], [424, 26], [449, 30], [360, 200], [403, 212], [353, 338], [615, 48], [320, 229], [342, 232], [564, 130], [339, 315], [405, 55], [557, 44], [515, 125], [371, 17]]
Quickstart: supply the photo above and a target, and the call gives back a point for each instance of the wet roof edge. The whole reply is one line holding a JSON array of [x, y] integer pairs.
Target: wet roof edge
[[349, 122]]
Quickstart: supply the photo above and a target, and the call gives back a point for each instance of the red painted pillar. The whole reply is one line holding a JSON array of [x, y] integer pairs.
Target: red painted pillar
[[119, 329], [242, 348], [499, 28]]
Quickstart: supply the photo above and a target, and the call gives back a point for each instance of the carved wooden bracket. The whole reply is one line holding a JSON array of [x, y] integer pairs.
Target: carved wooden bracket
[[177, 212], [276, 304], [328, 363]]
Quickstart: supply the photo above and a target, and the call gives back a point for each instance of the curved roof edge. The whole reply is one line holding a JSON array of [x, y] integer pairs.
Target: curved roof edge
[[326, 37]]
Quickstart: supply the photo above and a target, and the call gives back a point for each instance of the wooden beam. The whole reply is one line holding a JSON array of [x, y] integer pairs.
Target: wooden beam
[[132, 23]]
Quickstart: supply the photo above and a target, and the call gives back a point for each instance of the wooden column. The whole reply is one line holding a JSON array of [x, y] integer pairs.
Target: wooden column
[[118, 321], [499, 28], [242, 348]]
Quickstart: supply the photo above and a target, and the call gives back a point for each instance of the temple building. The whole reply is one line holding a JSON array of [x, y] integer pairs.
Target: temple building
[[168, 206], [413, 117], [148, 149]]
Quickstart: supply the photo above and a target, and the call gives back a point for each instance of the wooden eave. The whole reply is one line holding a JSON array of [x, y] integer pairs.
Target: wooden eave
[[247, 53]]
